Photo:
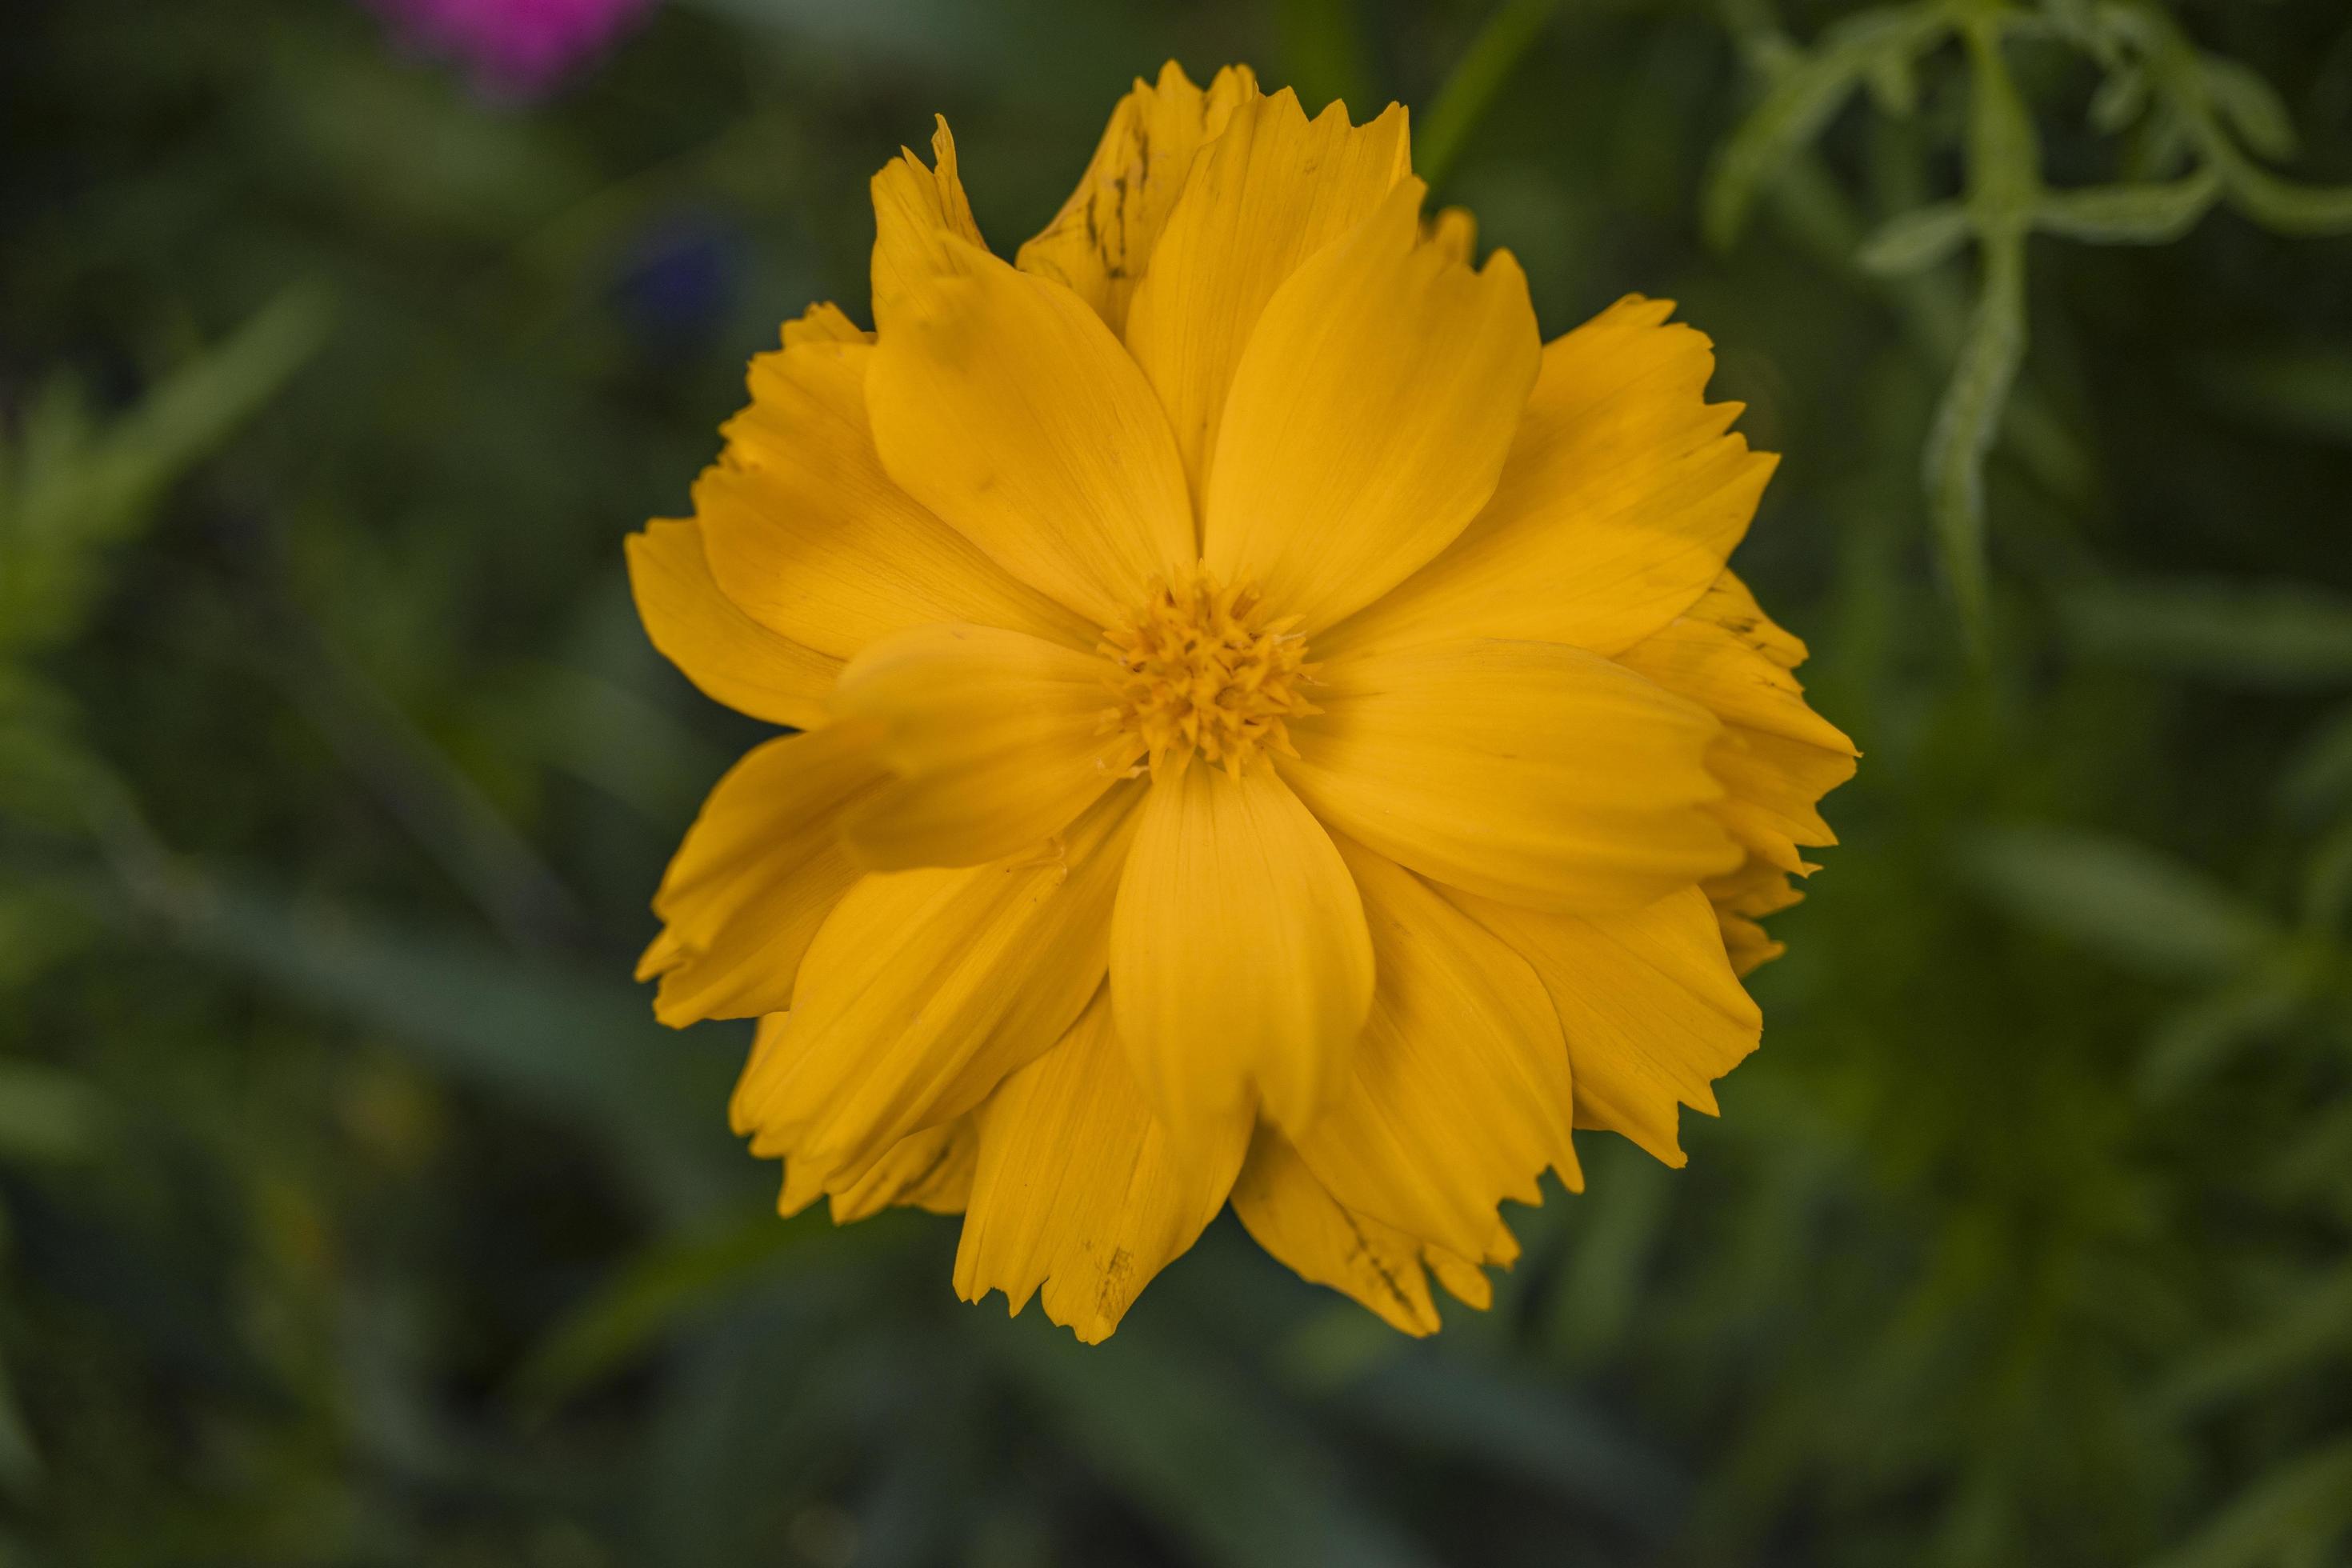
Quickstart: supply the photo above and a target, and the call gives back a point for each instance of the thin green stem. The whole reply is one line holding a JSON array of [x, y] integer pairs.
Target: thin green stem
[[1477, 80]]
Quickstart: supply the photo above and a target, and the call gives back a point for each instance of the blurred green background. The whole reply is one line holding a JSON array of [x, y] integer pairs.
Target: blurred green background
[[354, 1209]]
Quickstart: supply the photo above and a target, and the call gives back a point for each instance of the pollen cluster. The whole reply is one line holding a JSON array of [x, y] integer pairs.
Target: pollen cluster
[[1199, 667]]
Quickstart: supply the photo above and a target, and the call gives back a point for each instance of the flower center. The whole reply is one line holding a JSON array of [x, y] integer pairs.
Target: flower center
[[1199, 667]]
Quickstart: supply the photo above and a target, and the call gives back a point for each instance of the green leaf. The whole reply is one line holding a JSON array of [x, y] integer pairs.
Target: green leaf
[[581, 1047], [1914, 241], [2155, 213], [201, 406], [2079, 23], [2307, 1500], [2122, 97], [441, 804], [2305, 390], [2250, 105], [1807, 95], [2318, 779], [2167, 146], [2140, 909], [2004, 183], [2280, 634], [2004, 155], [1894, 83], [75, 489], [567, 717], [1478, 78], [1200, 1448], [1495, 1424], [649, 1294], [1967, 419], [2195, 1042], [2305, 1329], [2284, 206], [1597, 1299]]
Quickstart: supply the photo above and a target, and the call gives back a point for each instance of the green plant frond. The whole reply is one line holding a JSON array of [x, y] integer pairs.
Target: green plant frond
[[2304, 1502], [75, 488], [1917, 240], [2129, 903], [2202, 120], [1803, 99], [2278, 633], [2155, 213], [1478, 78], [1968, 420]]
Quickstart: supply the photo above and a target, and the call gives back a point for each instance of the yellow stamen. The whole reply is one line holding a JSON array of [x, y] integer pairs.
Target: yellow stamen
[[1199, 669]]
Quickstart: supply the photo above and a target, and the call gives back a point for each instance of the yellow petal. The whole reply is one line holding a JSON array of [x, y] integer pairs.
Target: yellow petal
[[922, 224], [1289, 1212], [1003, 403], [1776, 756], [1080, 1191], [1650, 1006], [824, 322], [927, 1170], [730, 657], [1747, 944], [1239, 961], [1101, 241], [1725, 653], [924, 988], [807, 534], [1758, 888], [1465, 1280], [1619, 500], [758, 873], [1368, 417], [995, 739], [1461, 1094], [1270, 190], [930, 1170], [1772, 789], [1533, 772], [1454, 232]]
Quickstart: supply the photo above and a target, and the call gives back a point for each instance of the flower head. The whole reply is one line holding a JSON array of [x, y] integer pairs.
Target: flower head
[[513, 47], [1241, 464], [1201, 669]]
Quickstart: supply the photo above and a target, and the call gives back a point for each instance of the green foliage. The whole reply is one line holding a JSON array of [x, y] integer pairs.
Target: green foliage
[[1471, 90], [1807, 90], [2215, 114], [2264, 634], [70, 487], [2274, 1522], [353, 1210], [2136, 908]]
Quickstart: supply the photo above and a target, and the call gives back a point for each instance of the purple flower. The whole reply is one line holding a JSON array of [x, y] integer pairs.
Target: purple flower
[[512, 48]]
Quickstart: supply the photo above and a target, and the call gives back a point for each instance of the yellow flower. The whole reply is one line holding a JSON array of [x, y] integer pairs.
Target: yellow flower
[[1273, 730]]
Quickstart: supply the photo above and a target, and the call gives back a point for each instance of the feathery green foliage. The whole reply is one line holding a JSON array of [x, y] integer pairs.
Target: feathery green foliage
[[2190, 126]]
